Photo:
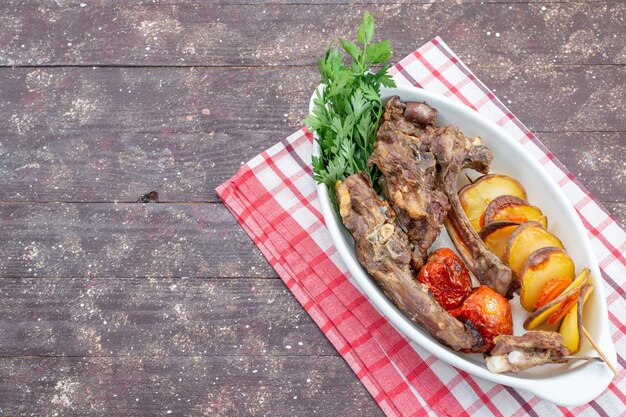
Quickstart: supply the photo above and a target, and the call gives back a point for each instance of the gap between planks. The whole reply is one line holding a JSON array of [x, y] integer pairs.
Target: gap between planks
[[336, 354], [263, 66], [164, 277]]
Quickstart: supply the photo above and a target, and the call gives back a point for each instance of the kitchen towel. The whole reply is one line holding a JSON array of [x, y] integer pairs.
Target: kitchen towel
[[274, 198]]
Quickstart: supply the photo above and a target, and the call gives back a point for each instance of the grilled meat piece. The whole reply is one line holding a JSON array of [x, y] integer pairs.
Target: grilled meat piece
[[402, 154], [516, 353], [453, 152], [383, 249], [420, 164]]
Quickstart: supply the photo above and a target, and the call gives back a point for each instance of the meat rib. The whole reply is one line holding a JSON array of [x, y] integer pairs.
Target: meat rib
[[534, 348], [420, 164], [454, 152], [401, 153], [383, 249]]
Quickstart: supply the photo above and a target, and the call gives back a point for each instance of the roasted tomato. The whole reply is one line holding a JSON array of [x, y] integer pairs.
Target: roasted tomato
[[489, 312], [446, 276]]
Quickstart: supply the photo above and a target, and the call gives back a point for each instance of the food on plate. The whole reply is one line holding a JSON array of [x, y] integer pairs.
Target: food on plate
[[496, 236], [572, 324], [489, 312], [419, 166], [539, 316], [391, 174], [453, 151], [347, 107], [511, 208], [516, 231], [526, 239], [412, 155], [475, 197], [446, 277], [551, 290], [382, 247], [565, 306], [409, 177], [516, 353], [543, 266]]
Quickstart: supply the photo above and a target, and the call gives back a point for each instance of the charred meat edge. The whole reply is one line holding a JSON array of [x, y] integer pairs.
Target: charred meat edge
[[408, 171], [420, 165], [517, 353], [458, 153], [383, 249]]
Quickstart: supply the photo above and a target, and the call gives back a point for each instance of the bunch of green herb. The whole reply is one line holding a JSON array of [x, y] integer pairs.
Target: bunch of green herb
[[347, 107]]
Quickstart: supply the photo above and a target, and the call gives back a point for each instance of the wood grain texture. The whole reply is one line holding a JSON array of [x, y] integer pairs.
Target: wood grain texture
[[125, 240], [113, 308], [597, 159], [187, 167], [112, 134], [155, 317], [183, 386], [205, 34], [129, 240]]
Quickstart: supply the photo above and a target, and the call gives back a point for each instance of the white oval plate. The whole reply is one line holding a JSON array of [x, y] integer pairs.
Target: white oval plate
[[575, 383]]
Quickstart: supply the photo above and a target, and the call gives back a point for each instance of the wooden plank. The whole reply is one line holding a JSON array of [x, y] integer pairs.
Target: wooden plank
[[125, 240], [206, 34], [155, 317], [92, 3], [187, 167], [183, 386], [595, 158], [113, 134]]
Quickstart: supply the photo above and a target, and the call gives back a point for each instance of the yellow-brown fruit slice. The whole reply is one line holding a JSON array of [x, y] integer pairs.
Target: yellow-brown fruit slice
[[475, 197], [514, 209], [526, 239], [537, 318], [542, 266], [572, 324], [496, 236]]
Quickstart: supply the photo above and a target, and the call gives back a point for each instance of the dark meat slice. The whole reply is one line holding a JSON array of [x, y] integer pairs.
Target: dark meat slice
[[419, 165], [409, 173], [383, 249], [478, 157], [516, 353], [420, 113], [453, 152], [534, 339], [410, 118]]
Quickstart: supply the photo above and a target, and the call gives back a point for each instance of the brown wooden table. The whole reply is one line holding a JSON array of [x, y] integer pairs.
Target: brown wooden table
[[109, 306]]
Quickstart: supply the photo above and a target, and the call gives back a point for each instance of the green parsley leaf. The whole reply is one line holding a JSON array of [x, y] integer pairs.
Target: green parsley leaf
[[352, 49], [347, 107], [366, 30], [379, 52]]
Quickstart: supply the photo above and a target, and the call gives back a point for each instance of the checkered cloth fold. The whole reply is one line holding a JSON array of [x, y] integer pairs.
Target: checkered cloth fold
[[274, 198]]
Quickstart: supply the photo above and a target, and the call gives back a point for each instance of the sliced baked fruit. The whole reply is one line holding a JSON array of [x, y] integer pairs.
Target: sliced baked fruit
[[565, 306], [514, 209], [540, 316], [496, 235], [551, 290], [541, 267], [527, 238], [475, 197], [572, 324]]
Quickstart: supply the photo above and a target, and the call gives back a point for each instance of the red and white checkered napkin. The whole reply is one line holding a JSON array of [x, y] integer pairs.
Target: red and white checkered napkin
[[274, 198]]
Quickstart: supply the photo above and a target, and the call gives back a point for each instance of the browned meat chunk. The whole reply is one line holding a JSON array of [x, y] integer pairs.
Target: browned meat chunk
[[409, 170], [383, 249], [534, 348], [453, 152], [420, 164]]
